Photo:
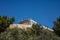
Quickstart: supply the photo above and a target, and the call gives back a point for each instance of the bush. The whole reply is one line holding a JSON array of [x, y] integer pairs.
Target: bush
[[29, 34]]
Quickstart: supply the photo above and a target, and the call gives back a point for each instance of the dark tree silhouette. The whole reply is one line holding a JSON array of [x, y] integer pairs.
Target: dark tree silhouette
[[57, 26], [5, 22]]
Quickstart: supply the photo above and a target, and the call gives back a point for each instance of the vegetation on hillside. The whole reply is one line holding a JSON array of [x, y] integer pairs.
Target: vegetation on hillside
[[34, 33], [24, 21]]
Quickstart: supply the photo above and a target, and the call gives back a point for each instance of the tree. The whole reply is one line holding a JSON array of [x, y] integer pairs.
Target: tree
[[5, 22], [57, 26], [36, 28]]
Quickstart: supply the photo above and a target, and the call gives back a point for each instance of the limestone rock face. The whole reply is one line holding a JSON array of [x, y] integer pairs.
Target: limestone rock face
[[23, 24], [45, 27]]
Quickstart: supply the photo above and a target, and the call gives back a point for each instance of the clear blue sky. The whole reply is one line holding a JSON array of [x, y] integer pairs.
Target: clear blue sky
[[43, 11]]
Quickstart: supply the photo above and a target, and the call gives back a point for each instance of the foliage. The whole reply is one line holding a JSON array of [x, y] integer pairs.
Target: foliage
[[36, 28], [5, 22], [24, 21], [57, 26], [29, 34]]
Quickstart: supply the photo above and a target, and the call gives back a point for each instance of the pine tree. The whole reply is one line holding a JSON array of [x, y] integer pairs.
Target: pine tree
[[57, 26]]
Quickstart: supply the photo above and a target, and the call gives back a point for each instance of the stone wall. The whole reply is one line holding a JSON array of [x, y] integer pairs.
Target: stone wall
[[22, 26]]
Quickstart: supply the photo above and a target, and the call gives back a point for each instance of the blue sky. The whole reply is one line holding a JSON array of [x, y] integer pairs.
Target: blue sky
[[42, 11]]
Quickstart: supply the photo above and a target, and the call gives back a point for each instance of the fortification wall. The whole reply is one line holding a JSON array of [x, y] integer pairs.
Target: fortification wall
[[22, 26]]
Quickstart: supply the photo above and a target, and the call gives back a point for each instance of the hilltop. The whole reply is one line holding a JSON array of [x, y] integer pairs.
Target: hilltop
[[25, 30], [27, 23]]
